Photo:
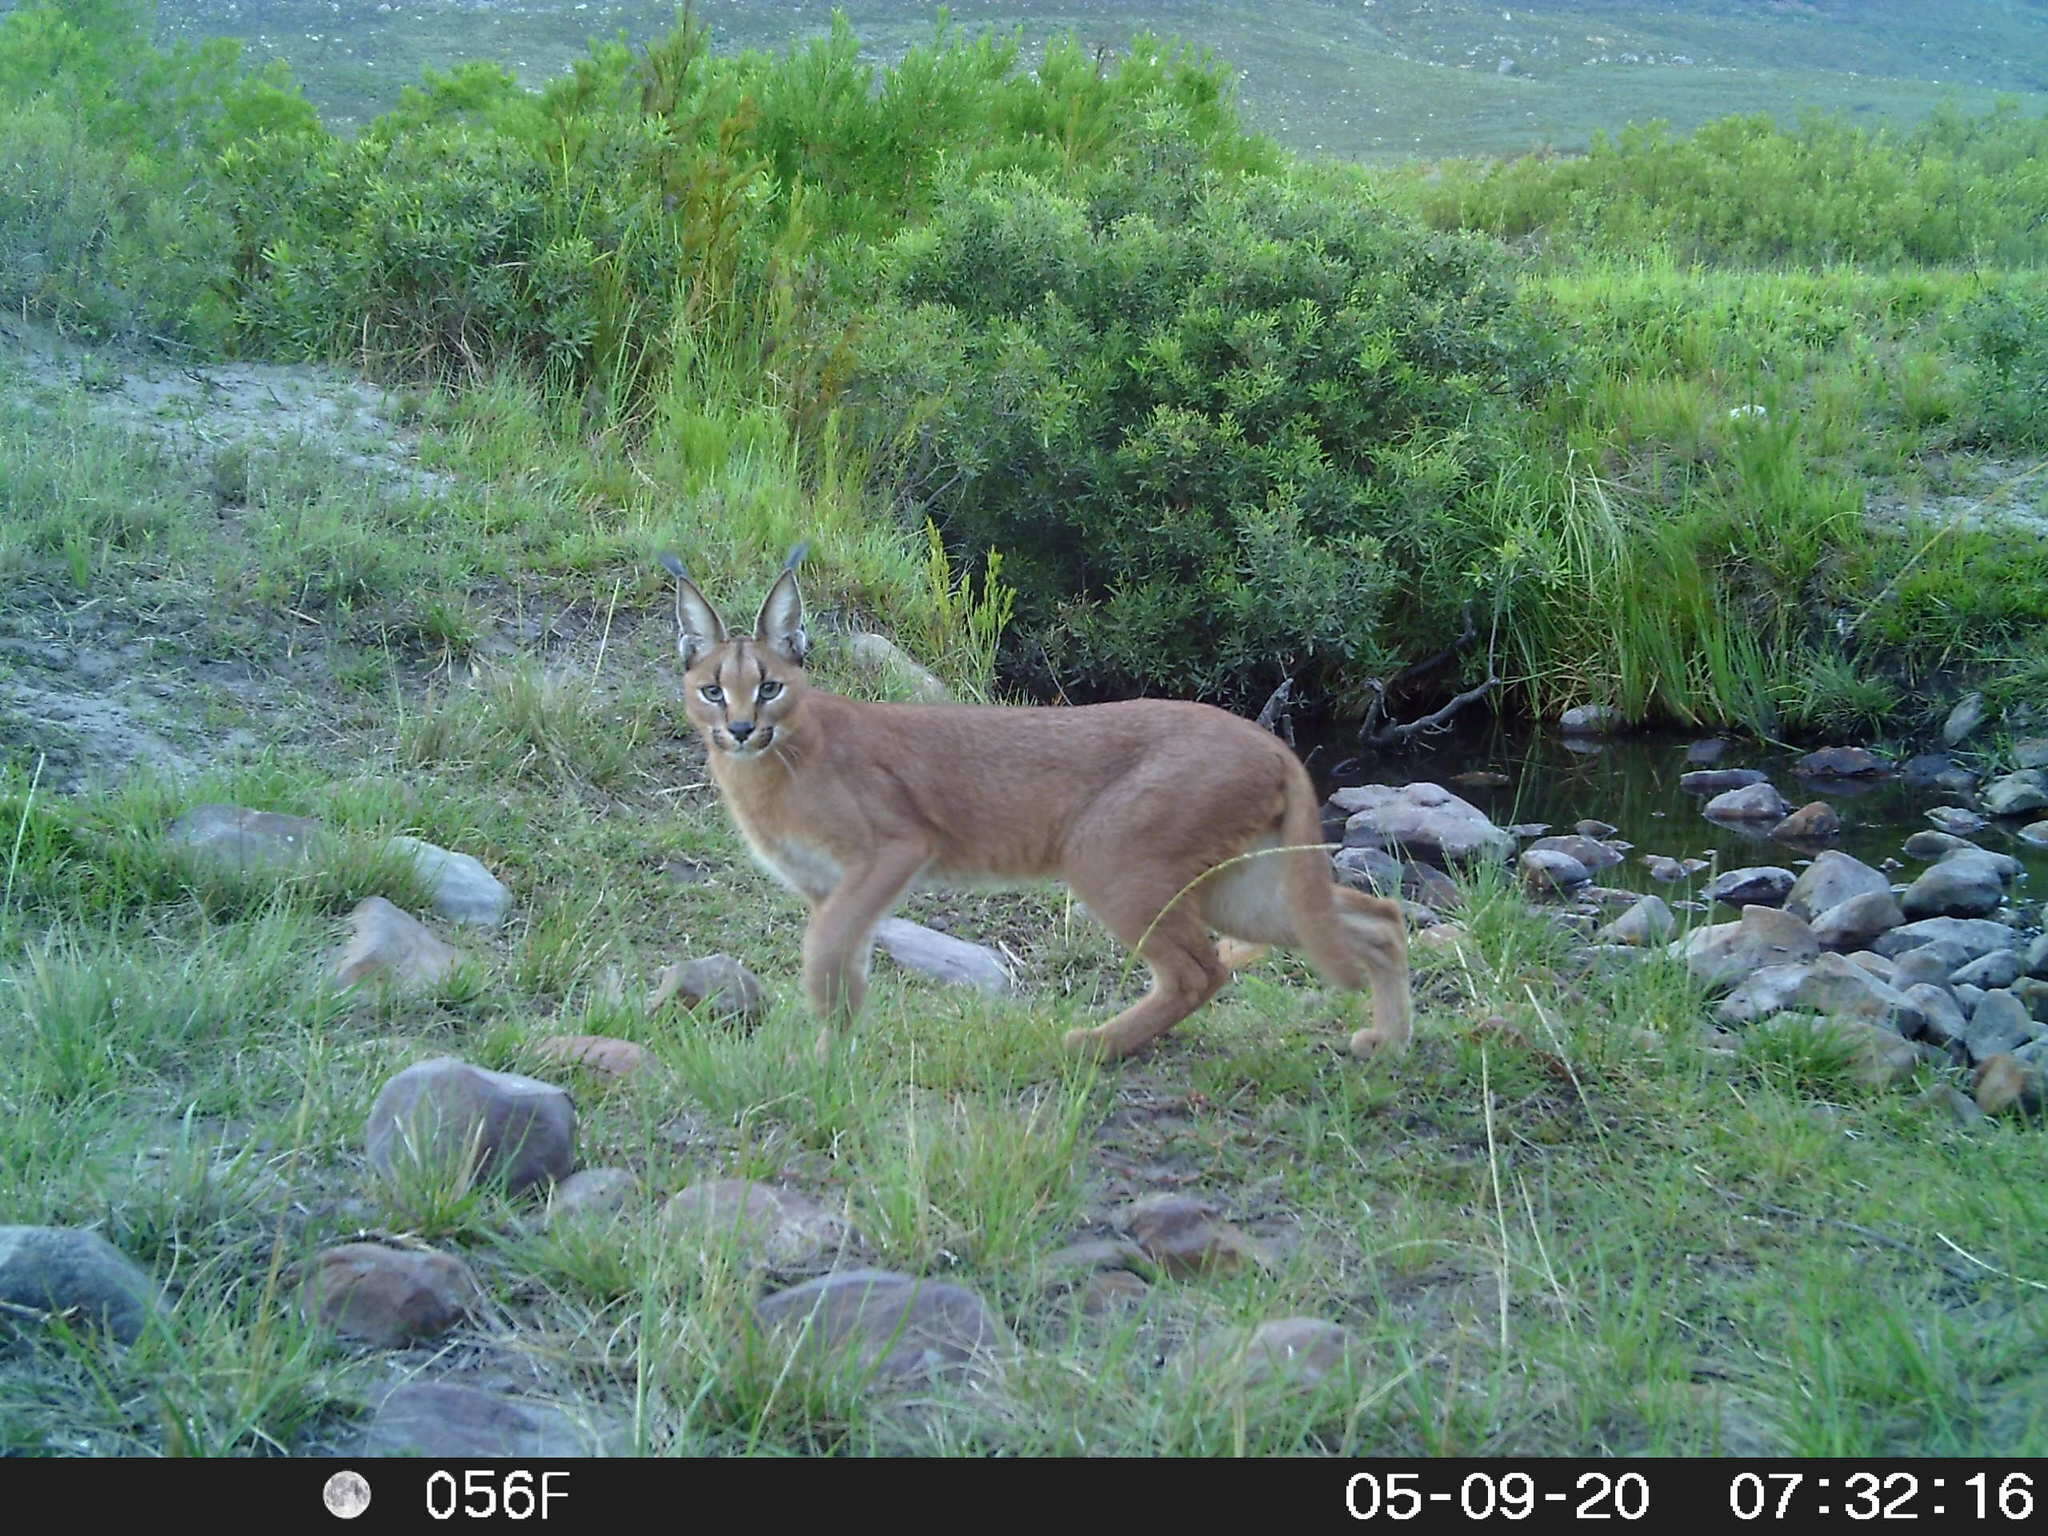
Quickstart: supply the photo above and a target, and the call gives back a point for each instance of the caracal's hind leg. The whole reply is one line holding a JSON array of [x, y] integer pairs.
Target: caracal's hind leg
[[1376, 932], [1175, 945]]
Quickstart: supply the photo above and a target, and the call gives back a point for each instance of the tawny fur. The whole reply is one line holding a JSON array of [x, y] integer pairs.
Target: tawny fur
[[851, 803]]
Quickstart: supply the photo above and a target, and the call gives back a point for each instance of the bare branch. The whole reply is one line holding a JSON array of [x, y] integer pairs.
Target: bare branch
[[1277, 716], [1438, 720]]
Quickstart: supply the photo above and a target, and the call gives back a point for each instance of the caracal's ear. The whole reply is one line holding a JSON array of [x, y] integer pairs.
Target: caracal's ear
[[780, 624], [698, 627]]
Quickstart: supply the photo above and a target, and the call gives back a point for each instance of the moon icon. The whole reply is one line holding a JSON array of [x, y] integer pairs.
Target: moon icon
[[346, 1495]]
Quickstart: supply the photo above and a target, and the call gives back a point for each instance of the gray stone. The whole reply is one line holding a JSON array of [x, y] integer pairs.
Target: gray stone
[[1595, 830], [1833, 877], [1707, 752], [2034, 834], [1589, 851], [1420, 821], [1290, 1354], [1931, 845], [1830, 985], [1765, 885], [880, 654], [1956, 821], [2001, 968], [462, 888], [1999, 1024], [388, 945], [1545, 869], [1877, 1058], [443, 1421], [717, 984], [233, 837], [1926, 767], [1759, 802], [2017, 793], [1667, 869], [1931, 963], [389, 1297], [1183, 1235], [1591, 719], [1841, 763], [1715, 781], [778, 1228], [1962, 884], [1968, 714], [1967, 997], [2003, 1083], [2037, 956], [1877, 965], [1721, 954], [1969, 936], [75, 1273], [440, 1114], [1814, 822], [1950, 1102], [899, 1327], [943, 957], [1854, 923], [1649, 921], [2030, 752], [2033, 995], [1941, 1016], [592, 1194], [1368, 869]]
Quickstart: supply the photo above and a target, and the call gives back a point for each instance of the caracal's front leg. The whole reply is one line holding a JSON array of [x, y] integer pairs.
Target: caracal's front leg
[[840, 936]]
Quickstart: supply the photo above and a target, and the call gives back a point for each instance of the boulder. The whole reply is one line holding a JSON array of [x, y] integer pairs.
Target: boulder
[[445, 1113], [1421, 821]]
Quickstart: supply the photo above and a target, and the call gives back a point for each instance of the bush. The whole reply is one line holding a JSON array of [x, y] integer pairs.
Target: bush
[[1212, 424], [2005, 335]]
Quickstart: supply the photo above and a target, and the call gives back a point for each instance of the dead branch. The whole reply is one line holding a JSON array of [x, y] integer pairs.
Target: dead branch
[[1278, 715], [1437, 720]]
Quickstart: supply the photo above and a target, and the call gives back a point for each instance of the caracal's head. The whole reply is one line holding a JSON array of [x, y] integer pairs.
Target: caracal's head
[[740, 691]]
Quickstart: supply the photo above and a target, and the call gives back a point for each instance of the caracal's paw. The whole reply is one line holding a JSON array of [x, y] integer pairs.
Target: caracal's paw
[[1371, 1045], [1096, 1044]]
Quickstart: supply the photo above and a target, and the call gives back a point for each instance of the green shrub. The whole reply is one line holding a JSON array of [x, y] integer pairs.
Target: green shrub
[[1211, 424], [2005, 336]]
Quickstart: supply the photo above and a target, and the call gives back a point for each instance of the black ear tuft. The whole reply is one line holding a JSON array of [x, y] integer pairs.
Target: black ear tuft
[[796, 556], [674, 566]]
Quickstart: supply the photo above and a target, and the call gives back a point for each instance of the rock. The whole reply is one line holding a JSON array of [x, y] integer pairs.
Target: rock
[[2034, 833], [1955, 820], [462, 888], [1841, 763], [1963, 884], [1854, 923], [1830, 985], [1595, 830], [880, 654], [1097, 1253], [608, 1058], [1967, 997], [1420, 821], [2037, 956], [1941, 1016], [1426, 883], [443, 1113], [1368, 869], [765, 1225], [1528, 829], [1716, 781], [389, 945], [718, 984], [2000, 968], [1481, 778], [1947, 1100], [1814, 822], [1592, 720], [76, 1273], [1877, 1058], [389, 1297], [442, 1421], [1721, 954], [1999, 1024], [1707, 752], [2003, 1083], [1290, 1354], [1649, 921], [1763, 886], [1968, 714], [1970, 936], [591, 1193], [1181, 1234], [900, 1327], [1833, 877], [2017, 793], [1931, 845], [1930, 963], [1110, 1289], [1666, 869], [2030, 752], [918, 948], [1545, 869], [1759, 802], [1590, 852], [1877, 965], [233, 837], [1926, 767]]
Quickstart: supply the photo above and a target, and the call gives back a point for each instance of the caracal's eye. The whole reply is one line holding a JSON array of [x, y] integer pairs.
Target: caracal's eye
[[769, 688], [712, 693]]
